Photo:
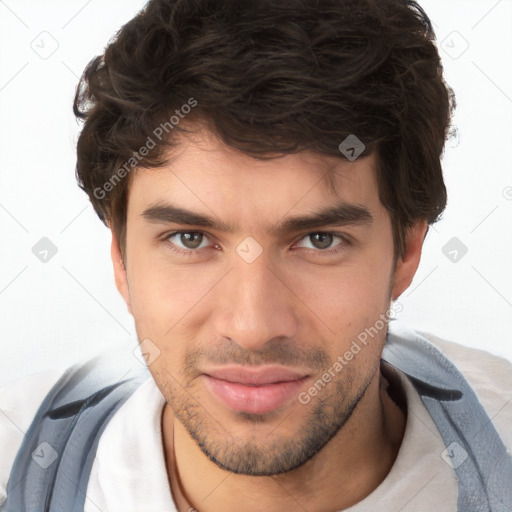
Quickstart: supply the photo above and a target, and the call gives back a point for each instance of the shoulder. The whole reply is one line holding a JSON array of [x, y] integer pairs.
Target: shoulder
[[483, 370], [19, 402], [489, 375]]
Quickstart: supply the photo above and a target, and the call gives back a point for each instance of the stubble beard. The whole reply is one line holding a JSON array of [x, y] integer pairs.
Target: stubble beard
[[271, 455]]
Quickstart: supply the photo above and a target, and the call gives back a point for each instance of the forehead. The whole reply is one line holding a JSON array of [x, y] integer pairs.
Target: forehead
[[206, 175]]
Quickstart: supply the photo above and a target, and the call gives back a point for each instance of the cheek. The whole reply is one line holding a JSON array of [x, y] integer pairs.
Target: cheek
[[162, 311], [152, 293], [166, 298], [344, 298]]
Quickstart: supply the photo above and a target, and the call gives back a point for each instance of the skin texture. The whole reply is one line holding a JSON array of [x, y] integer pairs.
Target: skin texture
[[295, 305]]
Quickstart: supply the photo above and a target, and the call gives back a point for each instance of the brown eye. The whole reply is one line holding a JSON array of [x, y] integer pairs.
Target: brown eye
[[188, 240], [321, 240], [191, 240]]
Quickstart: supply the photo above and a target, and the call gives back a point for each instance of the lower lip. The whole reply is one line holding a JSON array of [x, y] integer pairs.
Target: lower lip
[[253, 399]]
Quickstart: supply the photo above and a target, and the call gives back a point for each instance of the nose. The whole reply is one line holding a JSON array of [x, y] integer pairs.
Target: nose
[[254, 305]]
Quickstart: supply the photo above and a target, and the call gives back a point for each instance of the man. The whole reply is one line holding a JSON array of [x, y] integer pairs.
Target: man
[[268, 171]]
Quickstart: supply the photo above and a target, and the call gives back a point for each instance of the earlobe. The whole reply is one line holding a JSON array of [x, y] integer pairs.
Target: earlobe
[[408, 263], [120, 273]]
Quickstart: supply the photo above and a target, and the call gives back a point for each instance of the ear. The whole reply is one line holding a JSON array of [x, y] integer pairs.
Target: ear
[[408, 264], [120, 272]]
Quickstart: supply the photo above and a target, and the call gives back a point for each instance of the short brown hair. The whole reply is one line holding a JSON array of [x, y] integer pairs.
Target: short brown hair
[[271, 78]]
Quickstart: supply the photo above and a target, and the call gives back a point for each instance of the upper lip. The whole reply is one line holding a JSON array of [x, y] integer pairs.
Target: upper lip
[[256, 376]]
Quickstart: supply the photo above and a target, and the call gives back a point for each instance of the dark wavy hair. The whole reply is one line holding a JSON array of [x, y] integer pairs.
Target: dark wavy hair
[[270, 78]]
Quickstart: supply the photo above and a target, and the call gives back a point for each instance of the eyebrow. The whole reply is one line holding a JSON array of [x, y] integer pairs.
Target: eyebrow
[[342, 214]]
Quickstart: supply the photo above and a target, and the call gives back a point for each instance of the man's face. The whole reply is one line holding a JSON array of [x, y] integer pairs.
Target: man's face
[[258, 290]]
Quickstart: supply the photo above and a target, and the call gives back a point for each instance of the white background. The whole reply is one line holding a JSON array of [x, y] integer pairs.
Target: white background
[[68, 308]]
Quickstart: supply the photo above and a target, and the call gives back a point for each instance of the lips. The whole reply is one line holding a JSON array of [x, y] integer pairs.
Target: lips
[[255, 376], [254, 390]]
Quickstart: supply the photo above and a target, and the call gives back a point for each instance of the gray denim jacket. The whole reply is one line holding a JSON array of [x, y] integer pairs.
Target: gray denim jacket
[[76, 411]]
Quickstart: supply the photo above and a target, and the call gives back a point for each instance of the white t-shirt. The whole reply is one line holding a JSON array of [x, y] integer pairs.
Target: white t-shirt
[[129, 471]]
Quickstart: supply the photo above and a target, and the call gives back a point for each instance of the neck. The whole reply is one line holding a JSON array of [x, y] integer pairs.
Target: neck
[[346, 470]]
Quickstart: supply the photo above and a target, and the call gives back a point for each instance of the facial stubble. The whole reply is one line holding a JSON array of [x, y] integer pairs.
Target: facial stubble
[[263, 452]]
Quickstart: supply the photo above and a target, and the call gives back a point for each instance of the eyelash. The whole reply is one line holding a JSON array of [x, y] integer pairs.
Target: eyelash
[[193, 252]]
